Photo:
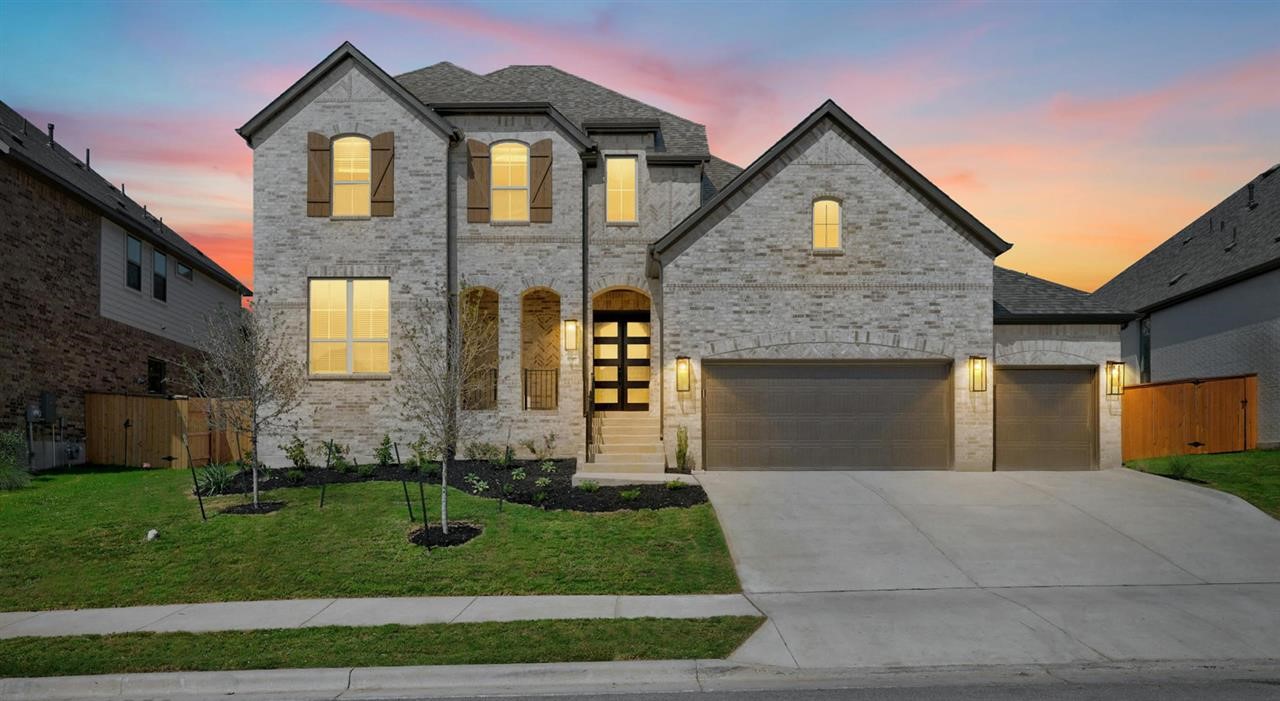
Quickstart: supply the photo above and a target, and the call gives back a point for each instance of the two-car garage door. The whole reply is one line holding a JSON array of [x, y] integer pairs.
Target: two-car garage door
[[806, 416]]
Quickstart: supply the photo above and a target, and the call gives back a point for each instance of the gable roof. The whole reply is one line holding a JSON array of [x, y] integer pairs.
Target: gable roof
[[1230, 242], [322, 69], [663, 252], [715, 175], [1022, 298], [25, 142]]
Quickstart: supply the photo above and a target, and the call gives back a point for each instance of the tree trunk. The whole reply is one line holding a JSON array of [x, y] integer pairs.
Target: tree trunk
[[254, 458], [444, 491]]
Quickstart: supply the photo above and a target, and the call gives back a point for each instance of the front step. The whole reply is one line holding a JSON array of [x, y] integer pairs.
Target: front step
[[616, 458], [630, 443], [645, 445]]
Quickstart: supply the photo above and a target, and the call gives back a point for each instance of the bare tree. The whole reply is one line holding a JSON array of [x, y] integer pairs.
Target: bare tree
[[246, 357], [442, 372]]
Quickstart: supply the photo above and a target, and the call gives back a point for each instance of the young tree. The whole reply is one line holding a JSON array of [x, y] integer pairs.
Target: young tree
[[442, 367], [246, 357]]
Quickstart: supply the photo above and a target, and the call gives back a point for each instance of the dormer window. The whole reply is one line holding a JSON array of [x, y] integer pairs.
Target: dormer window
[[826, 225], [351, 168], [510, 182]]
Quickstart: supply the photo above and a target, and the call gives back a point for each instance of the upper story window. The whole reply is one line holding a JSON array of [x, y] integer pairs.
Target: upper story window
[[620, 183], [349, 322], [826, 225], [133, 263], [184, 271], [510, 182], [351, 169], [159, 276]]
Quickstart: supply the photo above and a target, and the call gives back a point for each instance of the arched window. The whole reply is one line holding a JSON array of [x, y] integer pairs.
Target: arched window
[[826, 225], [351, 176], [540, 348], [510, 182], [478, 322]]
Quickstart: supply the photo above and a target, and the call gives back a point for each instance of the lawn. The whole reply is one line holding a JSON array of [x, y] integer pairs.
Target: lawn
[[1253, 476], [441, 643], [77, 540]]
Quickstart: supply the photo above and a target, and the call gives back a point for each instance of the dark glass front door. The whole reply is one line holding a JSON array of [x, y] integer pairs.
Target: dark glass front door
[[620, 360]]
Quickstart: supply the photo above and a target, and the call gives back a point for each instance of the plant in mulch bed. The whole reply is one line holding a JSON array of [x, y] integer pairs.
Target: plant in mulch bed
[[215, 479], [295, 476], [338, 457], [542, 485], [383, 452], [676, 484], [487, 452], [684, 463], [629, 494], [434, 537], [589, 486], [509, 485], [541, 451], [296, 451], [548, 466]]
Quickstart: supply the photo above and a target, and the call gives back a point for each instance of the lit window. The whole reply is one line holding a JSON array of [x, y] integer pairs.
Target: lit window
[[510, 182], [159, 276], [826, 225], [133, 263], [351, 177], [349, 327], [620, 181]]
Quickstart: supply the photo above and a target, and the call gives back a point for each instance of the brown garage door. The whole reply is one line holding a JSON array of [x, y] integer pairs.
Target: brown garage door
[[806, 416], [1045, 418]]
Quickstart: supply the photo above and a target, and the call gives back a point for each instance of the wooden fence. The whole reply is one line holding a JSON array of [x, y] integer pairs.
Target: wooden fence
[[1189, 417], [137, 429]]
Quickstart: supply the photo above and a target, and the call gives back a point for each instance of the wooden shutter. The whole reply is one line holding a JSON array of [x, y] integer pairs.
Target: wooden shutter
[[383, 183], [477, 181], [540, 181], [319, 175]]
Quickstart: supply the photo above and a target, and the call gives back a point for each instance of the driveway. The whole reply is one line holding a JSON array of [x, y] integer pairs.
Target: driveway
[[941, 568]]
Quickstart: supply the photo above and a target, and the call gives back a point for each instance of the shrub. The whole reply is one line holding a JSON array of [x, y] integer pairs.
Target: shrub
[[505, 458], [1179, 467], [338, 457], [365, 470], [673, 485], [13, 474], [629, 494], [544, 451], [296, 451], [682, 449], [548, 467], [588, 486], [518, 474], [423, 454], [430, 468], [215, 479], [383, 453], [487, 452], [477, 485], [295, 476]]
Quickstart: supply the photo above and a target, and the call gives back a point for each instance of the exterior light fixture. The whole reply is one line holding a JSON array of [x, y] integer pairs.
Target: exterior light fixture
[[1115, 378], [571, 334], [977, 373], [682, 373]]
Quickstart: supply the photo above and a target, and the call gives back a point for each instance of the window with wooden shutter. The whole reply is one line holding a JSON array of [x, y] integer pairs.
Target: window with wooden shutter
[[351, 176], [509, 201], [384, 175], [318, 175], [540, 182], [477, 181]]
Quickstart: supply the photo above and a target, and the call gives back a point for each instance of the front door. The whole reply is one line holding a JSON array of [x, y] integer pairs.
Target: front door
[[620, 360]]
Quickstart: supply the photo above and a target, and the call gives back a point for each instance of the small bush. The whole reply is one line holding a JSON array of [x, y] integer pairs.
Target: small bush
[[683, 463], [365, 470], [383, 454], [423, 454], [629, 494], [673, 485], [505, 458], [588, 486], [1179, 467], [430, 468], [13, 473], [548, 467], [541, 452], [296, 451], [215, 479], [338, 457], [518, 474], [295, 476], [477, 485], [487, 452]]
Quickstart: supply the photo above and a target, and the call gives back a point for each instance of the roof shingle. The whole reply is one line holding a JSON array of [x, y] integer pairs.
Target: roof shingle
[[1024, 297]]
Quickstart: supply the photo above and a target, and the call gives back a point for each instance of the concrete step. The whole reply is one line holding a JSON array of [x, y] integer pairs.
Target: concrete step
[[631, 458], [622, 467], [630, 431], [613, 439], [643, 447]]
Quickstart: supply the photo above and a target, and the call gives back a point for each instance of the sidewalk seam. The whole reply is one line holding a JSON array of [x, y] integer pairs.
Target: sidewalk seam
[[171, 613], [317, 613], [464, 609]]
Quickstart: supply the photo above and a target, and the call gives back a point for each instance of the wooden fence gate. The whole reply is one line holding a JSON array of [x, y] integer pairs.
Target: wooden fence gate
[[1190, 417], [135, 430]]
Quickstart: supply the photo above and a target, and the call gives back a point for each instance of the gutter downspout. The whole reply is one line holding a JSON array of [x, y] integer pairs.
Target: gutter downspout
[[586, 384]]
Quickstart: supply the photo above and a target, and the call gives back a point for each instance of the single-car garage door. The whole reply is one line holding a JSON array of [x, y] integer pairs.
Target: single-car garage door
[[1046, 418], [806, 416]]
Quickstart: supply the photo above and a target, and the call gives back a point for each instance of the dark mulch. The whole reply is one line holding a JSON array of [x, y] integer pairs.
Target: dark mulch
[[433, 537], [559, 493], [263, 507]]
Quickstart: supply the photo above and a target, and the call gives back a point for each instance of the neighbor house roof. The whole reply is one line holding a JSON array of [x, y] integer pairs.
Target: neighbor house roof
[[1027, 299], [665, 248], [1237, 239], [24, 141]]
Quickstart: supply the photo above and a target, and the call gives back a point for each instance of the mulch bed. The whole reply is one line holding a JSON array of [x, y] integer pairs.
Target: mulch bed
[[263, 507], [558, 494], [433, 537]]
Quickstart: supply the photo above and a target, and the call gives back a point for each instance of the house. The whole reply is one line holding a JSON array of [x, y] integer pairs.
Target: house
[[1209, 300], [99, 295], [825, 307]]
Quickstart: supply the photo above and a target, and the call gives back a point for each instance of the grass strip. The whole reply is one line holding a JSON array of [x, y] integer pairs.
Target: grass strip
[[1253, 475]]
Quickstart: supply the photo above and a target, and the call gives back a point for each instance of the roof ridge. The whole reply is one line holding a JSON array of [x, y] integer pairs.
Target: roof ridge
[[606, 88], [1045, 280]]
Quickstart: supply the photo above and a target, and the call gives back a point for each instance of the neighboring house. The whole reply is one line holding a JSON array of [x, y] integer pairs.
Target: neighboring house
[[826, 307], [1209, 300], [99, 295]]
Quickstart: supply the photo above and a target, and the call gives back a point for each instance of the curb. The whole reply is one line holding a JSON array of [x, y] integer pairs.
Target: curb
[[666, 676]]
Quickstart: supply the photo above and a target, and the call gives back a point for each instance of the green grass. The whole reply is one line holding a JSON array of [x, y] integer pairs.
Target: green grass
[[441, 643], [76, 540], [1253, 476]]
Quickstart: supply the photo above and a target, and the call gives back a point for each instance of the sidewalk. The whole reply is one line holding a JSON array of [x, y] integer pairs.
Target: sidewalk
[[302, 613]]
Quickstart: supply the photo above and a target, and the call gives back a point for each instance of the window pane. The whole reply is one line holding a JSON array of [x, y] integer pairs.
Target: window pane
[[606, 351], [370, 299], [329, 310], [620, 204], [606, 329], [606, 396], [510, 165], [328, 358], [351, 200], [826, 224], [638, 329], [159, 264], [638, 373], [638, 395], [369, 357], [510, 205], [638, 351], [606, 373], [134, 249], [350, 159]]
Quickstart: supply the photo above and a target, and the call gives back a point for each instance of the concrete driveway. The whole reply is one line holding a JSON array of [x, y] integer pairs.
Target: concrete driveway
[[941, 568]]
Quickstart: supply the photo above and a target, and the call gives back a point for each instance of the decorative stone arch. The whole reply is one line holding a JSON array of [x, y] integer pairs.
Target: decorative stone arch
[[1044, 355], [636, 282], [829, 343]]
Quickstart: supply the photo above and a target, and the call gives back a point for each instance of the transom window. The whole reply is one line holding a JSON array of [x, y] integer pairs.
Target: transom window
[[826, 225], [349, 326], [133, 263], [510, 182], [620, 182], [351, 168]]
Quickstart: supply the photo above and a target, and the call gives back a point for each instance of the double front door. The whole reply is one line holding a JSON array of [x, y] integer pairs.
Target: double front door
[[620, 360]]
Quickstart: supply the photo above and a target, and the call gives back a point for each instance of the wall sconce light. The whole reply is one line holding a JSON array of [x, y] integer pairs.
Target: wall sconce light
[[682, 373], [571, 334], [977, 373], [1115, 378]]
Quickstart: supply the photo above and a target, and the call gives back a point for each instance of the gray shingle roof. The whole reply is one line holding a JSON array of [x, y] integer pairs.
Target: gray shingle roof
[[445, 82], [1024, 297], [715, 175], [1229, 242], [30, 144]]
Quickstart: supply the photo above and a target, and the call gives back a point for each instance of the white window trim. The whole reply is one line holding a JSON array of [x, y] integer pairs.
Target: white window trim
[[334, 182], [635, 165], [494, 187], [838, 249], [350, 339]]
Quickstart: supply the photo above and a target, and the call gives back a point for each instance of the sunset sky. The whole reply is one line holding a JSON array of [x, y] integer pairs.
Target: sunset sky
[[1083, 132]]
